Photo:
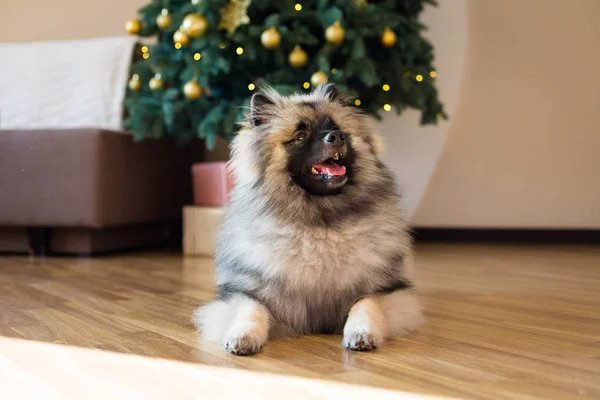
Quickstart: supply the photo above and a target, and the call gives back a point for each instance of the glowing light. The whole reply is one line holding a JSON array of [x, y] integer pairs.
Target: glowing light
[[298, 6], [357, 102], [222, 45], [251, 86], [432, 74], [145, 56], [177, 45], [387, 107], [239, 51], [306, 85], [334, 70], [197, 56], [144, 49], [419, 78], [386, 88]]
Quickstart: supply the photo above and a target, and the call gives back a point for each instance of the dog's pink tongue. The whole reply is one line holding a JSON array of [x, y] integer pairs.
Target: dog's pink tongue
[[331, 169]]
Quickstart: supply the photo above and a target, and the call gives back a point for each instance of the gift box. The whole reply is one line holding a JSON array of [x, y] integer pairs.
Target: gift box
[[212, 184], [200, 227]]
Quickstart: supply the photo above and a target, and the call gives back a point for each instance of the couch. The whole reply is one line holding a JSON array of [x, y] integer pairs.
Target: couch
[[90, 191]]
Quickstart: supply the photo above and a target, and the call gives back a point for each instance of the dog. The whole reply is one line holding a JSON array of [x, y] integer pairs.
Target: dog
[[313, 239]]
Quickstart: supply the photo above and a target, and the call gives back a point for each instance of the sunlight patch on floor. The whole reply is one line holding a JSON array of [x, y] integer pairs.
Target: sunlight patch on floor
[[37, 370]]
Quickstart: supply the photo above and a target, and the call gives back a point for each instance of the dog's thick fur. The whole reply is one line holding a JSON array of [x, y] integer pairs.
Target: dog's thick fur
[[294, 263]]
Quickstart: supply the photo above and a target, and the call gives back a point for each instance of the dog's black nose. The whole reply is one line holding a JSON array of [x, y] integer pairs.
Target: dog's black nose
[[335, 138]]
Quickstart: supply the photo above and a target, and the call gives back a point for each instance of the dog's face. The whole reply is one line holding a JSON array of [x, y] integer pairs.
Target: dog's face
[[308, 146], [320, 154]]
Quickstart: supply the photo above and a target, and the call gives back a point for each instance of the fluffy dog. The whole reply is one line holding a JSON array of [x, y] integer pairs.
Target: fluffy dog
[[313, 239]]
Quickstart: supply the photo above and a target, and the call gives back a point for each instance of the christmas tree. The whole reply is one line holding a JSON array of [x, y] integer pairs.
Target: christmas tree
[[208, 57]]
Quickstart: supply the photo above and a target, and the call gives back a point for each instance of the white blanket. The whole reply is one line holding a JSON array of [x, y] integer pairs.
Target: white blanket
[[64, 84]]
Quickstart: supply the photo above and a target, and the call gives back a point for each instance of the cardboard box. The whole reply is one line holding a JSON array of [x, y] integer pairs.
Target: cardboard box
[[200, 227]]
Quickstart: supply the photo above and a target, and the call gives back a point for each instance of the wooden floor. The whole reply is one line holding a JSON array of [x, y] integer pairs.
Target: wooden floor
[[502, 322]]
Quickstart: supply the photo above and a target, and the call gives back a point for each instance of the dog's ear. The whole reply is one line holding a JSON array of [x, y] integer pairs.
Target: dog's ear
[[331, 92], [259, 104]]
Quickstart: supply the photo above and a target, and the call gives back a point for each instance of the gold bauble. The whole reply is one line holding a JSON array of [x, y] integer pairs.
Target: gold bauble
[[270, 38], [135, 83], [388, 38], [298, 57], [164, 20], [156, 83], [195, 25], [318, 78], [133, 26], [335, 33], [192, 90], [182, 38]]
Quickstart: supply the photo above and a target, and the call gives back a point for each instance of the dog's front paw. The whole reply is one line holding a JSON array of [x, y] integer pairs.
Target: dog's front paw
[[243, 342], [361, 340], [242, 346]]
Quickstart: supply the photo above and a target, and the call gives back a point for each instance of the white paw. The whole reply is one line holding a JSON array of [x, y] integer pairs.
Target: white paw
[[244, 339], [361, 340], [242, 345]]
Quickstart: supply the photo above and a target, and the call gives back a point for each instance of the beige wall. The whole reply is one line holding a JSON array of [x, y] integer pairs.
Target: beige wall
[[524, 147], [524, 144], [22, 21]]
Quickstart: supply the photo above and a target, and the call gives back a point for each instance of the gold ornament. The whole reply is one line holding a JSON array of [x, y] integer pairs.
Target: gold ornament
[[234, 14], [318, 78], [156, 83], [192, 90], [133, 26], [134, 83], [194, 25], [388, 38], [335, 33], [298, 57], [181, 38], [164, 20], [270, 38]]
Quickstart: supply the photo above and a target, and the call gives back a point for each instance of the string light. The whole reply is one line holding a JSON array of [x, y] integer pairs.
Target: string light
[[357, 102], [197, 56], [239, 51], [177, 45], [432, 74], [144, 49], [386, 88], [306, 85], [298, 6], [251, 86], [387, 107], [146, 56], [334, 70], [222, 45], [419, 78]]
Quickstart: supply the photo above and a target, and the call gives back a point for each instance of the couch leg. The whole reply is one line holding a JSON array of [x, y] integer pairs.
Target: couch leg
[[38, 241]]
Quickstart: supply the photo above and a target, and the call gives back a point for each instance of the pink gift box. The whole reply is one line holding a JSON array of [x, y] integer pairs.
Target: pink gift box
[[212, 184]]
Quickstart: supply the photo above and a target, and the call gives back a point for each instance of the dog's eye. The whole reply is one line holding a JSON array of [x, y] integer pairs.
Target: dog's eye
[[301, 136]]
